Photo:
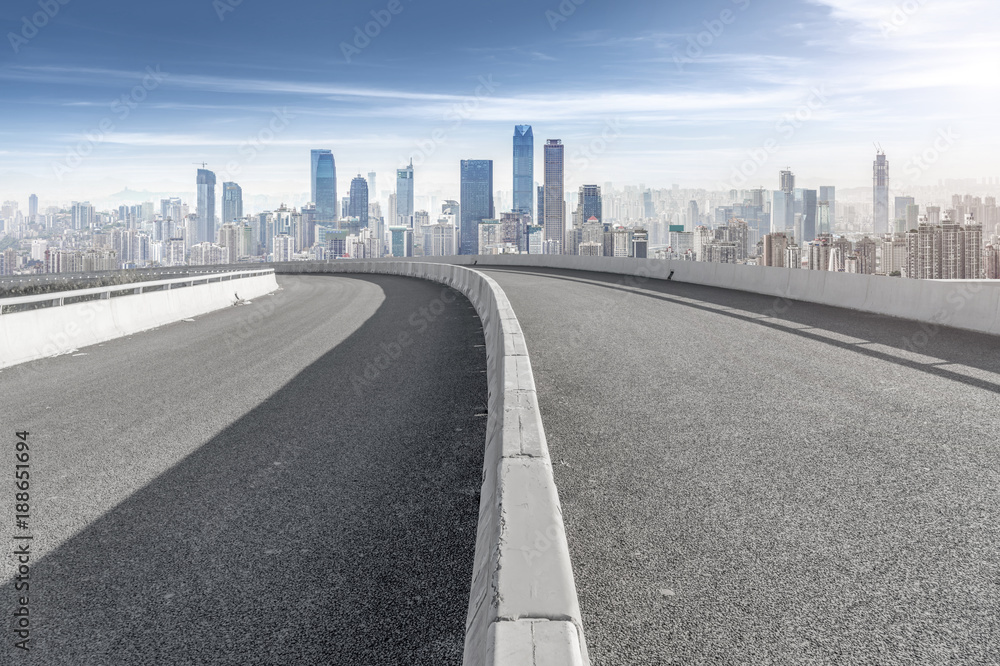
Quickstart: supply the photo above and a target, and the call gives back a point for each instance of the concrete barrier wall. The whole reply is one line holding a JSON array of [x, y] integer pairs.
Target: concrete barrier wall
[[35, 334], [523, 608], [968, 304]]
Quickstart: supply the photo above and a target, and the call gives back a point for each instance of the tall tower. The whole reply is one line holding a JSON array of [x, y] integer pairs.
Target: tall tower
[[206, 206], [32, 208], [590, 203], [828, 193], [524, 169], [404, 196], [880, 190], [807, 228], [783, 204], [787, 181], [358, 204], [324, 185], [476, 202], [232, 202], [371, 185], [555, 207]]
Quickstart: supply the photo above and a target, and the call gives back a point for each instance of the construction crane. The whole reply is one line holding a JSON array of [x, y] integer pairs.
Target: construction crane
[[203, 164]]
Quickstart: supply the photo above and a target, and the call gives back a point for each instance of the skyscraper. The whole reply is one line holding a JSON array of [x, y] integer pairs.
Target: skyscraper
[[32, 208], [590, 203], [524, 169], [828, 193], [806, 228], [206, 206], [232, 202], [372, 194], [555, 205], [324, 185], [783, 204], [358, 204], [476, 202], [900, 215], [880, 191], [786, 181], [693, 216], [404, 196]]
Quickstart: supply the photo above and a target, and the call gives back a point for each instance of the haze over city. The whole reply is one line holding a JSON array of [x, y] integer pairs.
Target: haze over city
[[105, 97]]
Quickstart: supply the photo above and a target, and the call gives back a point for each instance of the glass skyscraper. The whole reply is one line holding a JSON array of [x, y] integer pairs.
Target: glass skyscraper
[[358, 203], [880, 187], [555, 205], [206, 206], [404, 196], [524, 169], [232, 203], [476, 202], [324, 185], [829, 193], [590, 203], [807, 228]]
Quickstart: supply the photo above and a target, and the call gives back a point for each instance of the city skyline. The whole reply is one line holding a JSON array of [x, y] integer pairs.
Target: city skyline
[[709, 95]]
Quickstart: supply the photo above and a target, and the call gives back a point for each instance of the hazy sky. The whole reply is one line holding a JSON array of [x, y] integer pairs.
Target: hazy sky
[[682, 92]]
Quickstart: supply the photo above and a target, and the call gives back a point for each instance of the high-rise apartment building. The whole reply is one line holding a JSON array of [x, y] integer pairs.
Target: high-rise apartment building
[[933, 216], [82, 215], [819, 253], [554, 222], [358, 203], [524, 169], [971, 248], [206, 207], [476, 202], [324, 184], [774, 249], [232, 203]]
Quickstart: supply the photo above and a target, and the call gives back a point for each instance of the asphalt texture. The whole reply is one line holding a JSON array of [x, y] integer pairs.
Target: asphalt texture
[[746, 480], [273, 483]]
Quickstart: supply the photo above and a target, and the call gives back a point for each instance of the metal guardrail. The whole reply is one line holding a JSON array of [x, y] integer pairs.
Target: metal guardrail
[[14, 304]]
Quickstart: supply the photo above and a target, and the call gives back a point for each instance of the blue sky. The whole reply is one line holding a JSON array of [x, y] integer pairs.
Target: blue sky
[[647, 92]]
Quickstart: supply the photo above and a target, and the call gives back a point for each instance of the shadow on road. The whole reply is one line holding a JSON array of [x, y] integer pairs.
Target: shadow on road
[[335, 523]]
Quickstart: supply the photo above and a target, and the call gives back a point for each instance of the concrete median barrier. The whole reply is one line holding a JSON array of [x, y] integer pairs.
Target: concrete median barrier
[[523, 608]]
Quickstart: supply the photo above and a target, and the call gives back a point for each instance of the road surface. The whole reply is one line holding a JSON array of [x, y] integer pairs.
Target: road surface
[[275, 483]]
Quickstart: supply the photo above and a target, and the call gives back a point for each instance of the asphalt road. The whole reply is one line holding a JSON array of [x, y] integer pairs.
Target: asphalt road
[[247, 488], [749, 481]]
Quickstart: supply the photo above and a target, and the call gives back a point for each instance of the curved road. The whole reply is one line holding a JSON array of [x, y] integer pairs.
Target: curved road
[[745, 480], [275, 483]]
